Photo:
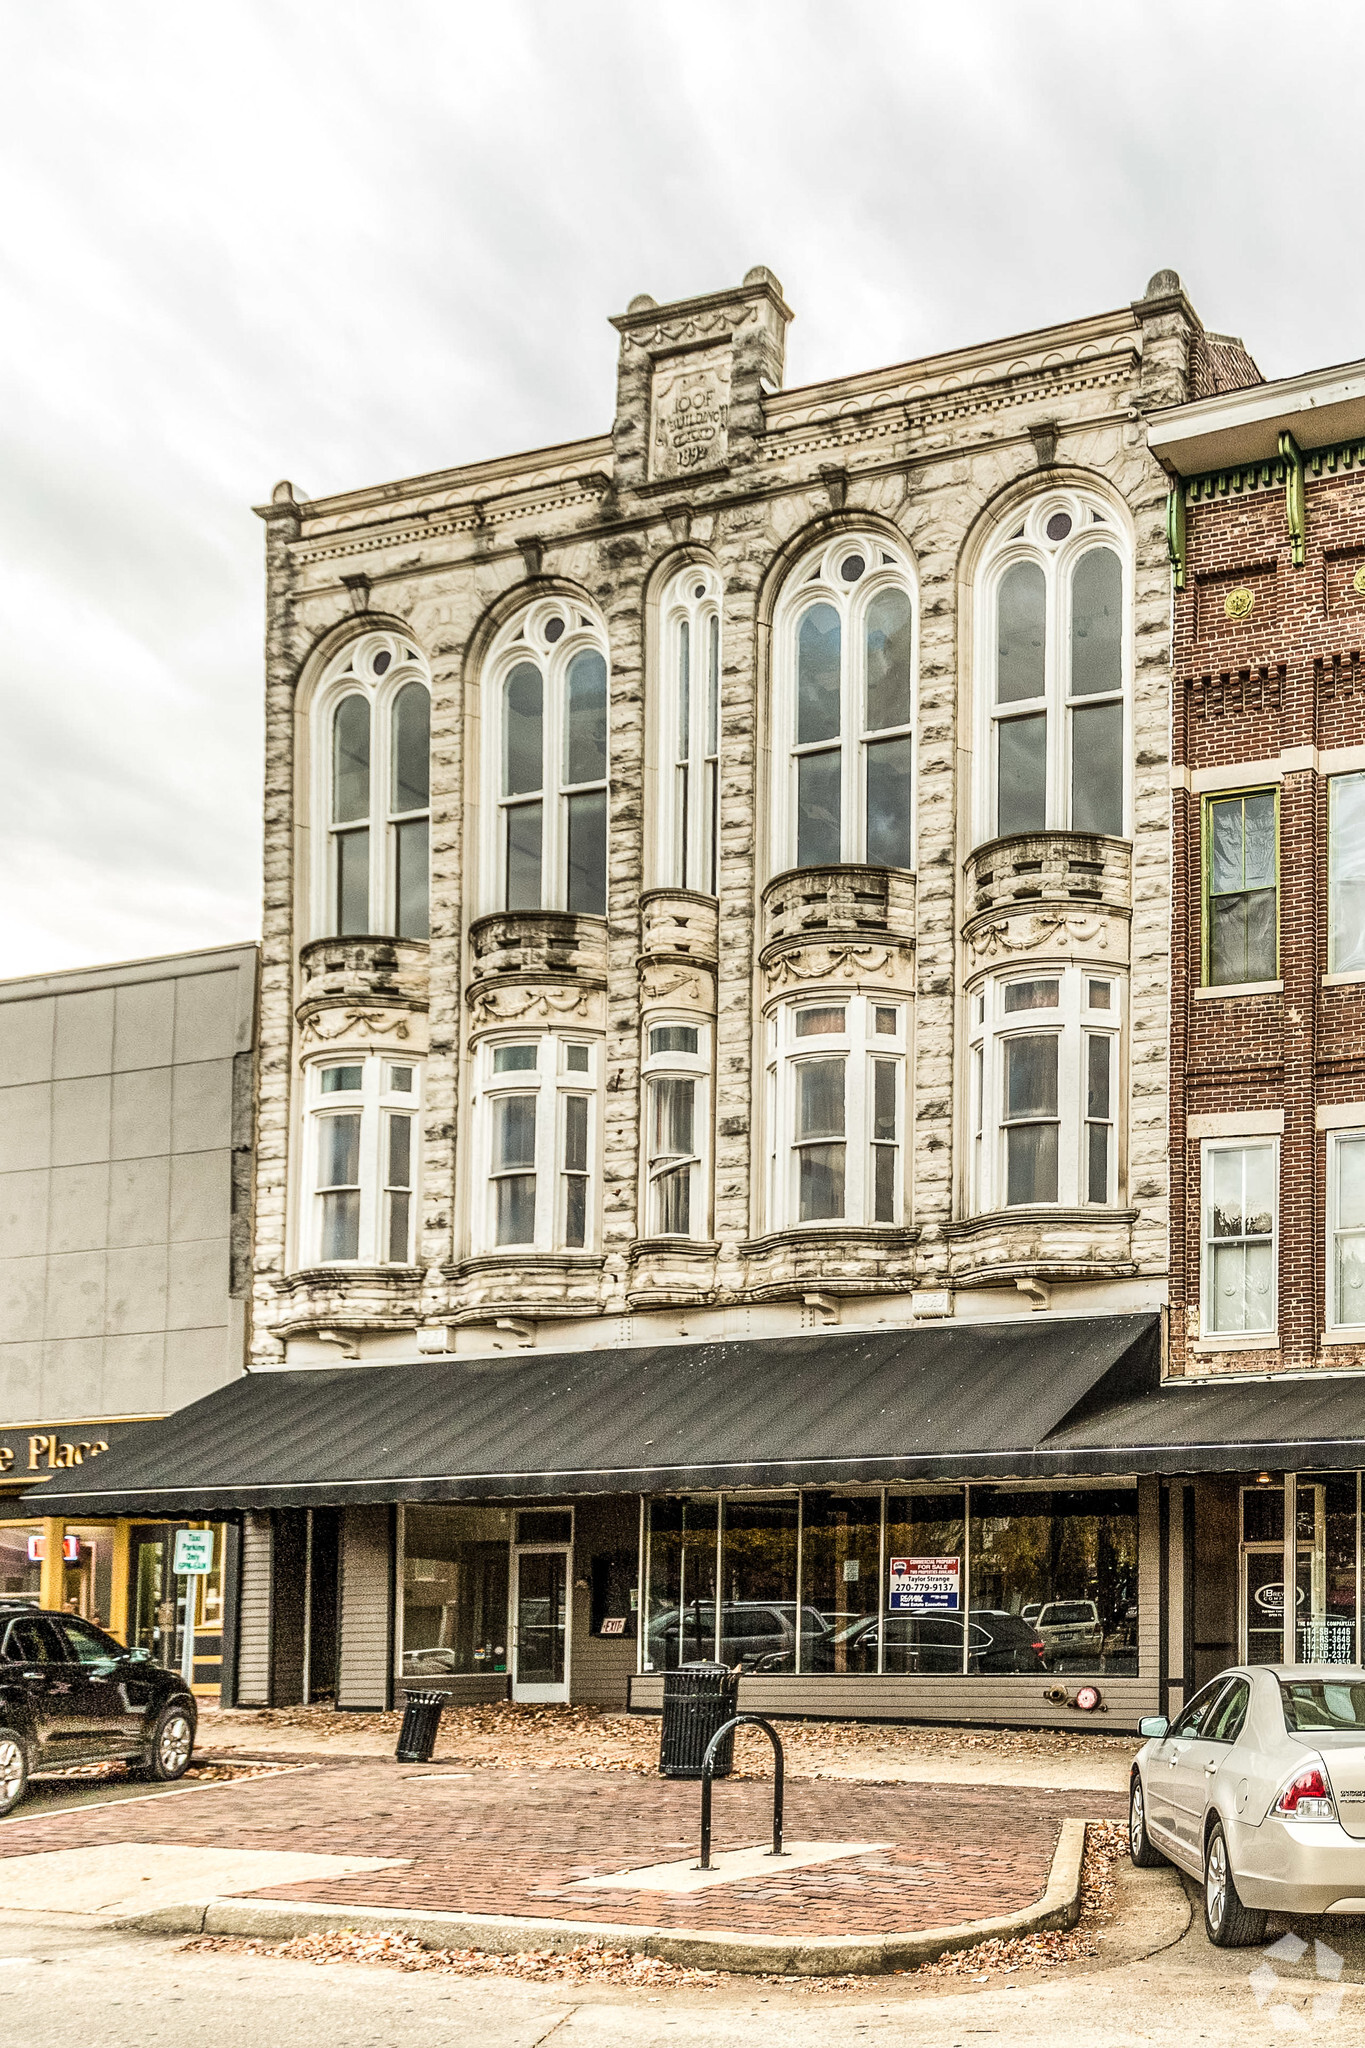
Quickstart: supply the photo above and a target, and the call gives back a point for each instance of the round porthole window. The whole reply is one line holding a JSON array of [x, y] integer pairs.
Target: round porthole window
[[382, 660], [1058, 526], [852, 567], [554, 630]]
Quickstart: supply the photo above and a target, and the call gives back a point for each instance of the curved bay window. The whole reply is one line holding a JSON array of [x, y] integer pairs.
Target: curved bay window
[[1044, 1089], [361, 1161], [1054, 636], [677, 1120], [844, 708], [835, 1110], [539, 1142], [372, 718], [689, 730], [547, 770]]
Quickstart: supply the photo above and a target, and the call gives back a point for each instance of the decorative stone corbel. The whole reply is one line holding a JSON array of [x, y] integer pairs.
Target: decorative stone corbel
[[532, 550], [1038, 1292], [1044, 439], [519, 1327], [1175, 530], [834, 477], [358, 590], [1295, 511], [825, 1306], [344, 1341]]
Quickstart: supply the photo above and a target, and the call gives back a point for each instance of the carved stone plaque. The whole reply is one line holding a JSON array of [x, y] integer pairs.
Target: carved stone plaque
[[689, 412]]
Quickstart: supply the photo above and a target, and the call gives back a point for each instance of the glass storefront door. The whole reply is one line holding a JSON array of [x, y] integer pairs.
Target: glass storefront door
[[540, 1633], [1263, 1600]]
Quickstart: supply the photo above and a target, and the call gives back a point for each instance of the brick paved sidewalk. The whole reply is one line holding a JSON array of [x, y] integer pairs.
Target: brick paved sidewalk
[[511, 1842]]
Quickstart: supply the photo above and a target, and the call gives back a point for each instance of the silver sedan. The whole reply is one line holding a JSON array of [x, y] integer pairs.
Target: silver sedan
[[1257, 1788]]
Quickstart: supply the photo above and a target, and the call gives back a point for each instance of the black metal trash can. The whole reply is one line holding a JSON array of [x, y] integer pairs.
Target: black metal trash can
[[421, 1720], [698, 1699]]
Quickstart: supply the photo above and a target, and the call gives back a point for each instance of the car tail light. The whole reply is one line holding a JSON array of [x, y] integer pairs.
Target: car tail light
[[1038, 1648], [1306, 1797]]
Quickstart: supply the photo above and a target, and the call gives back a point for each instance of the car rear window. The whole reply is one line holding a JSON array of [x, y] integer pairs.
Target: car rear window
[[1070, 1610], [1315, 1706]]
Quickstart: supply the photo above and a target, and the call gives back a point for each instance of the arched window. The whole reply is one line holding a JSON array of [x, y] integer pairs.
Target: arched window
[[373, 724], [844, 708], [1053, 633], [689, 730], [546, 770]]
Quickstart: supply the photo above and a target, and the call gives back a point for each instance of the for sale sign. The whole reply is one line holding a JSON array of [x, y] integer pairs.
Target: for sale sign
[[920, 1584]]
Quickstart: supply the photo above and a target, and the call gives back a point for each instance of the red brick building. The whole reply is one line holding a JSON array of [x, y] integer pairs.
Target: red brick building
[[1267, 532]]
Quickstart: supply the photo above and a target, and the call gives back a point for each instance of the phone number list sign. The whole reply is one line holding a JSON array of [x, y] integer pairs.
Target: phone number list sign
[[925, 1584]]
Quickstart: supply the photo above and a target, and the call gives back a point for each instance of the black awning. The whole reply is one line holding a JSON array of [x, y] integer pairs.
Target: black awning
[[949, 1401], [1283, 1422]]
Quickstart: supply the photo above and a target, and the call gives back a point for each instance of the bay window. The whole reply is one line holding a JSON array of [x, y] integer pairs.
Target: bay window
[[361, 1156], [836, 1107], [1043, 1090], [1054, 637], [844, 708], [676, 1149], [372, 720], [538, 1124], [1241, 1190], [547, 763], [689, 731]]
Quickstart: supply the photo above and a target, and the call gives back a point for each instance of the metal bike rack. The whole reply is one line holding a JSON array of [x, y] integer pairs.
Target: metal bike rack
[[740, 1721]]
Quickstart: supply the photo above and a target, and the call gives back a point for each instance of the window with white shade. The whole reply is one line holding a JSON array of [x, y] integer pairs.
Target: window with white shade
[[677, 1128], [844, 708], [545, 765], [836, 1083], [1346, 1230], [688, 734], [372, 791], [1346, 874], [1053, 637], [1043, 1097], [538, 1141], [1240, 1208], [361, 1146]]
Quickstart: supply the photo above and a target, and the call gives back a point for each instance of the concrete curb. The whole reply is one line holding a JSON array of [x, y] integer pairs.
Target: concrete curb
[[755, 1954]]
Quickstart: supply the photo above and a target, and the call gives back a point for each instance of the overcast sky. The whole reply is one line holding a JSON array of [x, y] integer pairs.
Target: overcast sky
[[349, 240]]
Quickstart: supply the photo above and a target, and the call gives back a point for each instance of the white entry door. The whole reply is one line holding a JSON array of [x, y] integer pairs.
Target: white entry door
[[540, 1623]]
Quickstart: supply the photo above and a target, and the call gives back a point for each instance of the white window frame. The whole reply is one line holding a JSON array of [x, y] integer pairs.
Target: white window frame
[[1335, 1141], [816, 579], [527, 638], [694, 1067], [352, 673], [860, 1044], [552, 1081], [1259, 1339], [1074, 1020], [1335, 879], [688, 762], [376, 1101], [1022, 537]]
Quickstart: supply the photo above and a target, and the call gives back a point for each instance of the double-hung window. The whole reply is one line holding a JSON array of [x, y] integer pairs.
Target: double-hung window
[[845, 709], [1346, 1230], [1054, 634], [1043, 1070], [362, 1148], [1346, 874], [836, 1110], [373, 791], [1240, 1188], [548, 765], [676, 1128], [688, 782], [539, 1139], [1241, 888]]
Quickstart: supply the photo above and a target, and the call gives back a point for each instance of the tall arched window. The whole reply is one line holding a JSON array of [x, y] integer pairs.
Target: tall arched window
[[372, 719], [688, 743], [844, 704], [1053, 633], [546, 767]]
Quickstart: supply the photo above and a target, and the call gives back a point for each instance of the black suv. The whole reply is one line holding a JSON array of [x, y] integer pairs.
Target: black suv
[[70, 1694]]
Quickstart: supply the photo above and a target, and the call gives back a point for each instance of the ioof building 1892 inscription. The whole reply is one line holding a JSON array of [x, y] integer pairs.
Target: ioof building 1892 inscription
[[689, 413]]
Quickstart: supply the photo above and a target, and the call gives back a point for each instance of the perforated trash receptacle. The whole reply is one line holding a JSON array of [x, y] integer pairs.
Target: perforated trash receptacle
[[421, 1719], [698, 1699]]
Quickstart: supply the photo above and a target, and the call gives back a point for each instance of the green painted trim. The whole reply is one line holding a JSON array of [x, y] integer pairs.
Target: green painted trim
[[1295, 512], [1208, 798], [1175, 533]]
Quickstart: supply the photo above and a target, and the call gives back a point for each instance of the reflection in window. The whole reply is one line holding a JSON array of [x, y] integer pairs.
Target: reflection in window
[[1241, 914], [1065, 1565], [680, 1602], [455, 1572], [1239, 1236]]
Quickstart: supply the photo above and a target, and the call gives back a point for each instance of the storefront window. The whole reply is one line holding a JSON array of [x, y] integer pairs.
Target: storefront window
[[19, 1578], [455, 1574], [840, 1561], [680, 1615], [1064, 1564], [758, 1611], [1326, 1613], [923, 1590]]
